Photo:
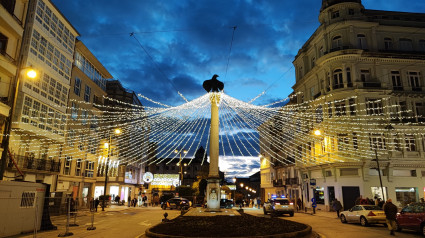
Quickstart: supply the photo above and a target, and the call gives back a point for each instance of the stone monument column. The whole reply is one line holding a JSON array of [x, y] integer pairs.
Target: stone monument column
[[213, 187], [213, 87]]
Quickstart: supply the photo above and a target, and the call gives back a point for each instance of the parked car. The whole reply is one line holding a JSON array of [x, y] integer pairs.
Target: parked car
[[412, 217], [176, 203], [226, 203], [364, 214], [279, 206]]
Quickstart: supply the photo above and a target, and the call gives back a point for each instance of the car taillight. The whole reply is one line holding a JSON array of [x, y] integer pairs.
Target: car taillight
[[276, 203], [291, 203], [371, 214]]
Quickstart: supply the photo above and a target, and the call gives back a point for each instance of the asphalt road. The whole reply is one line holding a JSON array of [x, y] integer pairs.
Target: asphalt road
[[329, 226], [126, 222]]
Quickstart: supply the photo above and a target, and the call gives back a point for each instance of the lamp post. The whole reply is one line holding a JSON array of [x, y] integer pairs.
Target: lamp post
[[180, 164], [234, 191], [108, 146], [31, 74], [379, 171]]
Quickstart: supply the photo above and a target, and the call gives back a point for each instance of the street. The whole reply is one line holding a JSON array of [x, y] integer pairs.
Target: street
[[328, 225], [121, 221]]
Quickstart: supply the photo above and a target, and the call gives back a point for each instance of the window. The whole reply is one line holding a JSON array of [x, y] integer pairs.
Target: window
[[355, 142], [349, 83], [365, 75], [414, 81], [343, 142], [319, 114], [406, 44], [350, 11], [330, 110], [3, 43], [377, 142], [89, 169], [374, 106], [337, 43], [87, 94], [340, 109], [313, 62], [67, 167], [74, 111], [321, 51], [422, 45], [410, 143], [361, 41], [335, 14], [78, 166], [312, 92], [388, 43], [77, 86], [349, 172], [396, 79], [338, 81], [420, 111], [352, 104]]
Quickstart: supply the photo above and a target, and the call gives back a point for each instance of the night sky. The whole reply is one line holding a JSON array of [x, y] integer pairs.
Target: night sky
[[178, 44]]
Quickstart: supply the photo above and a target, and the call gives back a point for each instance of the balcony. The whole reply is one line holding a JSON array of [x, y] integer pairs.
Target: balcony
[[30, 163], [292, 181], [371, 85], [278, 183]]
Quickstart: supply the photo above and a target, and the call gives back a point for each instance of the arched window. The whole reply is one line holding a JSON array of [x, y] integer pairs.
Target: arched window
[[361, 41], [337, 76], [337, 43], [349, 83]]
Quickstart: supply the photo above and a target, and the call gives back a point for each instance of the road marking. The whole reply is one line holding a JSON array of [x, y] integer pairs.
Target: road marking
[[144, 223]]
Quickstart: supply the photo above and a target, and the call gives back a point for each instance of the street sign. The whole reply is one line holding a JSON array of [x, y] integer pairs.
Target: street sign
[[313, 182], [313, 202]]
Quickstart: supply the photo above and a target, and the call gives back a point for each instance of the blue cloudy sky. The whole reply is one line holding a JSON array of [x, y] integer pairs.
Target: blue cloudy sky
[[179, 44]]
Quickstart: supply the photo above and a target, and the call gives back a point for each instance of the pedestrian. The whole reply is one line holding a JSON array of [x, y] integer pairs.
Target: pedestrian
[[336, 205], [358, 200], [299, 204], [422, 200], [390, 213], [134, 202], [96, 203], [129, 201], [252, 203], [258, 203], [145, 200]]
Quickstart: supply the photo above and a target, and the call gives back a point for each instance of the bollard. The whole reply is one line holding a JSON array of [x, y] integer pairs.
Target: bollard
[[67, 233]]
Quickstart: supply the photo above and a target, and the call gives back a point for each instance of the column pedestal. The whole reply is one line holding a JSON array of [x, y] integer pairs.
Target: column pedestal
[[213, 195]]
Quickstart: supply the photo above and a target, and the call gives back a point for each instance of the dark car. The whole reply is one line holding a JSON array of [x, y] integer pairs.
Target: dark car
[[176, 203], [226, 203], [412, 217]]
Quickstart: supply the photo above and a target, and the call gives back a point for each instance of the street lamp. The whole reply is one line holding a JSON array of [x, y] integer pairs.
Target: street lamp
[[180, 163], [31, 74], [108, 146], [317, 132]]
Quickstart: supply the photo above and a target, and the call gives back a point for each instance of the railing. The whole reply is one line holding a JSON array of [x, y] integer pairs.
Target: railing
[[30, 163], [371, 84], [292, 181], [278, 183]]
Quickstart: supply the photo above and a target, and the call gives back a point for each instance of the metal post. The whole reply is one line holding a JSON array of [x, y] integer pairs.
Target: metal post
[[379, 174], [36, 217], [67, 233], [181, 170], [106, 173]]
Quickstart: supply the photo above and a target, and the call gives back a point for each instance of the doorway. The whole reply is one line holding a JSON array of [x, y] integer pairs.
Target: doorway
[[331, 194], [349, 196]]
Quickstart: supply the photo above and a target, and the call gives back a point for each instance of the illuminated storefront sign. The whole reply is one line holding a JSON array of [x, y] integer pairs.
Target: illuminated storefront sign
[[166, 179], [231, 187]]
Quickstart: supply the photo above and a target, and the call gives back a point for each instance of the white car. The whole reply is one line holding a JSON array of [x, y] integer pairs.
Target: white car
[[364, 214], [279, 206]]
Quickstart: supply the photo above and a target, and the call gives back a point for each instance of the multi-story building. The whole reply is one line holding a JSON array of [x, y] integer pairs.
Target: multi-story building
[[39, 119], [133, 147], [359, 104], [83, 150], [12, 16]]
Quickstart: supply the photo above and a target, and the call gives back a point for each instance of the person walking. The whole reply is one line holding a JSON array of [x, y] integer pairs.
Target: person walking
[[299, 204], [390, 213], [96, 203], [336, 205]]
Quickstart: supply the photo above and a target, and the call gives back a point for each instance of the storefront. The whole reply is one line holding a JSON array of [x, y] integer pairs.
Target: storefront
[[98, 191], [377, 193], [406, 195]]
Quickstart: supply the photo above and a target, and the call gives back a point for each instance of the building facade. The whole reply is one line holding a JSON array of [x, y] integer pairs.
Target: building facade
[[39, 118], [359, 103]]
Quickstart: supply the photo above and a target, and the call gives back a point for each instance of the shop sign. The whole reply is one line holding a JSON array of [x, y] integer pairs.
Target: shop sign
[[231, 187], [148, 177], [166, 179], [313, 182]]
